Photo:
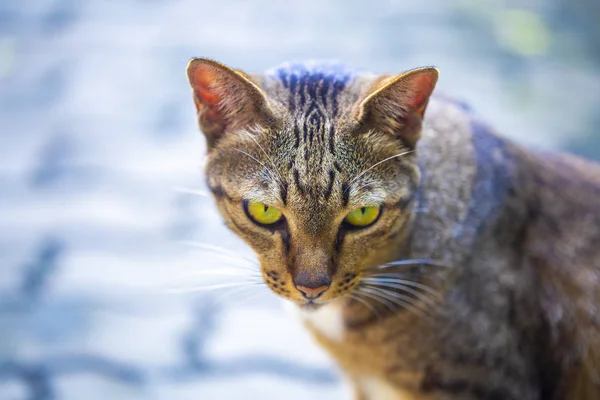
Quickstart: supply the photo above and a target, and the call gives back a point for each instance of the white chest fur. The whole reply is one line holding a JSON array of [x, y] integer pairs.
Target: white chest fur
[[327, 320], [376, 389]]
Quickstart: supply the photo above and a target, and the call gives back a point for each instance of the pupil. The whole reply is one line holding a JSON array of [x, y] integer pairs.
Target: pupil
[[363, 210], [266, 207]]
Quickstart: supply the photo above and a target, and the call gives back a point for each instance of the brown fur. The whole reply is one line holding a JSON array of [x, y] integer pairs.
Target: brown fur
[[513, 235]]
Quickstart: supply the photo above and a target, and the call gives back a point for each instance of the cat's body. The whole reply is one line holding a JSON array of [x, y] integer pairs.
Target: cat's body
[[509, 308], [523, 230]]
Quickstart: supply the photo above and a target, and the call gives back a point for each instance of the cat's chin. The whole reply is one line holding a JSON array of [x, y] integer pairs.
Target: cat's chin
[[311, 306]]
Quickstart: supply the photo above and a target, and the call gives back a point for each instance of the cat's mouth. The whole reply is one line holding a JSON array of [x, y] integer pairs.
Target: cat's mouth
[[311, 305]]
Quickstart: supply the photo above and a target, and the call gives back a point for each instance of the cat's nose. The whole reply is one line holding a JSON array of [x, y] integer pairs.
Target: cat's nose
[[312, 293], [312, 286]]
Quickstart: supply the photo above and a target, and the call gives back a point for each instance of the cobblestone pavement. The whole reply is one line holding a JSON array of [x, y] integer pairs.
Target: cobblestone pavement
[[97, 138]]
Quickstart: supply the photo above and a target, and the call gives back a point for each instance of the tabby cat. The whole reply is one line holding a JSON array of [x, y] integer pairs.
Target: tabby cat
[[430, 257]]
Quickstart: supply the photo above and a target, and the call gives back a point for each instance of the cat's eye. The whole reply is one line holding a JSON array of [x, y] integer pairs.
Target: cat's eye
[[364, 216], [262, 213]]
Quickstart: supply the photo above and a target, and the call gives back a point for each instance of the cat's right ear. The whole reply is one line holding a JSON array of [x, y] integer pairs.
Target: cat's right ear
[[226, 100], [396, 104]]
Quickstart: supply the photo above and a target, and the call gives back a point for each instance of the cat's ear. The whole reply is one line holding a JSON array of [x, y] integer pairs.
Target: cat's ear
[[396, 104], [226, 99]]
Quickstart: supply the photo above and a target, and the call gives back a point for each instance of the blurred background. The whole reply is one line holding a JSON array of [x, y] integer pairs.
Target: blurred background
[[101, 184]]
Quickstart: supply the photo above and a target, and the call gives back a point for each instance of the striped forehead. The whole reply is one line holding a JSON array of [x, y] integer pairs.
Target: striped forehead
[[312, 93], [313, 85]]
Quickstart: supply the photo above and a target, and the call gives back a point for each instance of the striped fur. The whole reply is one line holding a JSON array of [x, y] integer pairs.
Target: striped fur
[[509, 237]]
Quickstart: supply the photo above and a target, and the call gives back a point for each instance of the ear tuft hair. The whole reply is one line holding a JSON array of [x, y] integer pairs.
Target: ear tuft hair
[[396, 104], [226, 99]]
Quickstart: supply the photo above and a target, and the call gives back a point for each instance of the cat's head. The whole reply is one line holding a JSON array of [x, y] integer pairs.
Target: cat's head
[[313, 166]]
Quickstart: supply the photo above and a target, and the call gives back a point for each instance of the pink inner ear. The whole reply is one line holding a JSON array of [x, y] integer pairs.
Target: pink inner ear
[[203, 80], [420, 88]]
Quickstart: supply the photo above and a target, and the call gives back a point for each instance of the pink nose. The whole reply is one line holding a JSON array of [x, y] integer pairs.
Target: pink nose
[[312, 285], [312, 293]]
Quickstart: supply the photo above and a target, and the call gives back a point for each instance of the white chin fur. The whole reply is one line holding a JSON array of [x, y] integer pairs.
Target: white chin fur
[[327, 320]]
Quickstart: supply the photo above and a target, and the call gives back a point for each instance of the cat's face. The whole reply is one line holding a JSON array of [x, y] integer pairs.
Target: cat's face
[[314, 169]]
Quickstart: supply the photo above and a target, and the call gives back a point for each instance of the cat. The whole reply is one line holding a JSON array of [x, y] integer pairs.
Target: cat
[[432, 258]]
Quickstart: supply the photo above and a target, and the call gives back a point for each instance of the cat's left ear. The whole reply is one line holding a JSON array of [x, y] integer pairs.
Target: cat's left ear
[[396, 104], [226, 99]]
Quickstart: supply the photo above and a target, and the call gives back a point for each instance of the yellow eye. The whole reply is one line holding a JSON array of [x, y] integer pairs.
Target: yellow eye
[[363, 216], [262, 213]]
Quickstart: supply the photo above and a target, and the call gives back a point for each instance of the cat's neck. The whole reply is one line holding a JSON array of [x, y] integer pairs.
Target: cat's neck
[[465, 181]]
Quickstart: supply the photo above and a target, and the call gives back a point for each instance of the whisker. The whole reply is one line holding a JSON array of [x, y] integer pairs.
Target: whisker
[[411, 261], [395, 275], [392, 295], [401, 300], [227, 271], [253, 295], [358, 189], [355, 296], [268, 158], [385, 274], [403, 282], [423, 261], [221, 250], [232, 291], [213, 287], [197, 192], [185, 282], [254, 158], [418, 295], [374, 165], [377, 297]]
